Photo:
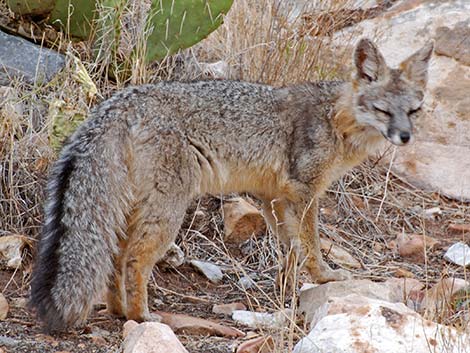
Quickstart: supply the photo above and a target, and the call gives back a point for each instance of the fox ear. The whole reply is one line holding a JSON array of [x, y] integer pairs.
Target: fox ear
[[370, 64], [415, 67]]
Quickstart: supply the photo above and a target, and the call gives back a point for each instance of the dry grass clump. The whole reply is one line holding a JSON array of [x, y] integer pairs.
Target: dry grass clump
[[264, 42]]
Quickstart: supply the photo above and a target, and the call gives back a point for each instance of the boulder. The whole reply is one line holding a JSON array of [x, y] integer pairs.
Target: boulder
[[20, 58], [438, 160], [357, 324], [150, 337], [393, 290]]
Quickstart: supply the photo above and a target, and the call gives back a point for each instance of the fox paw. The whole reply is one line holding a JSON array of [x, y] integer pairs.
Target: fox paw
[[333, 275], [113, 313], [143, 317], [152, 317]]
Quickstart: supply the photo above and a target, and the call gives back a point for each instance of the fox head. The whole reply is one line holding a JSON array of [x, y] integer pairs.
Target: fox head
[[388, 99]]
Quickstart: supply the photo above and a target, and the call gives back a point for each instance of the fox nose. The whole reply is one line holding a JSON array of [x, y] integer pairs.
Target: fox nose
[[405, 136]]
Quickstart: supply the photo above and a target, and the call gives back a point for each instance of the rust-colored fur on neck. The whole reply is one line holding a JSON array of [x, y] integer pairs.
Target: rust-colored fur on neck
[[356, 141]]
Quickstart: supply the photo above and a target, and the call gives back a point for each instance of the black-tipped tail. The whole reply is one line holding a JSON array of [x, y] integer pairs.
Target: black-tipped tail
[[47, 264]]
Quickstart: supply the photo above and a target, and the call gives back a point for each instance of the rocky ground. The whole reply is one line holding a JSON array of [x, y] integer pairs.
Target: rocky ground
[[377, 256]]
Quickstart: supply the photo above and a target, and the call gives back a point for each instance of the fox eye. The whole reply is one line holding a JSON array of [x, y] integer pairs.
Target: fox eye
[[413, 111], [380, 110]]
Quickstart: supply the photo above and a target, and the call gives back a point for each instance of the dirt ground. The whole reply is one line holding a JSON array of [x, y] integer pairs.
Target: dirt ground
[[347, 218]]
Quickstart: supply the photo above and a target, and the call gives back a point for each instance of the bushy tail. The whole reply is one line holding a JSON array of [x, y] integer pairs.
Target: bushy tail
[[88, 197]]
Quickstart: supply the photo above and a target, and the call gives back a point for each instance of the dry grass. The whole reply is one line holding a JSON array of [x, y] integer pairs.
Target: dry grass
[[262, 42]]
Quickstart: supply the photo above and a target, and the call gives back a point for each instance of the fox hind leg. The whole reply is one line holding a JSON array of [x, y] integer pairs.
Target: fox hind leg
[[116, 296], [150, 236]]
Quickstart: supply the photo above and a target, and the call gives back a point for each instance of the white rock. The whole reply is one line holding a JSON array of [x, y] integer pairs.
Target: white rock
[[393, 290], [438, 160], [261, 320], [211, 271], [432, 212], [246, 282], [356, 324], [152, 337], [11, 247], [459, 254]]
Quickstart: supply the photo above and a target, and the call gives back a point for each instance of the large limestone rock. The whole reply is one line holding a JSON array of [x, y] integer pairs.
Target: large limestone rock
[[439, 160], [356, 324], [312, 297]]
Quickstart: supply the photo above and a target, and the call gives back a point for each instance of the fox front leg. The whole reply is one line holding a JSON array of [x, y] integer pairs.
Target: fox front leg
[[307, 243]]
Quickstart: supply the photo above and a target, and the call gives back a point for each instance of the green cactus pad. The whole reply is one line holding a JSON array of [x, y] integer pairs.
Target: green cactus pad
[[31, 7], [81, 16], [179, 24]]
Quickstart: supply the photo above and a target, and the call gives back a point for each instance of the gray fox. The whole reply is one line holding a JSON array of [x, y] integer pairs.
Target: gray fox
[[117, 195]]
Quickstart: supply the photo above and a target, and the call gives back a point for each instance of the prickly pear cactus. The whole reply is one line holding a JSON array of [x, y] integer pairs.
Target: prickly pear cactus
[[168, 25], [179, 24], [74, 16], [31, 7]]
